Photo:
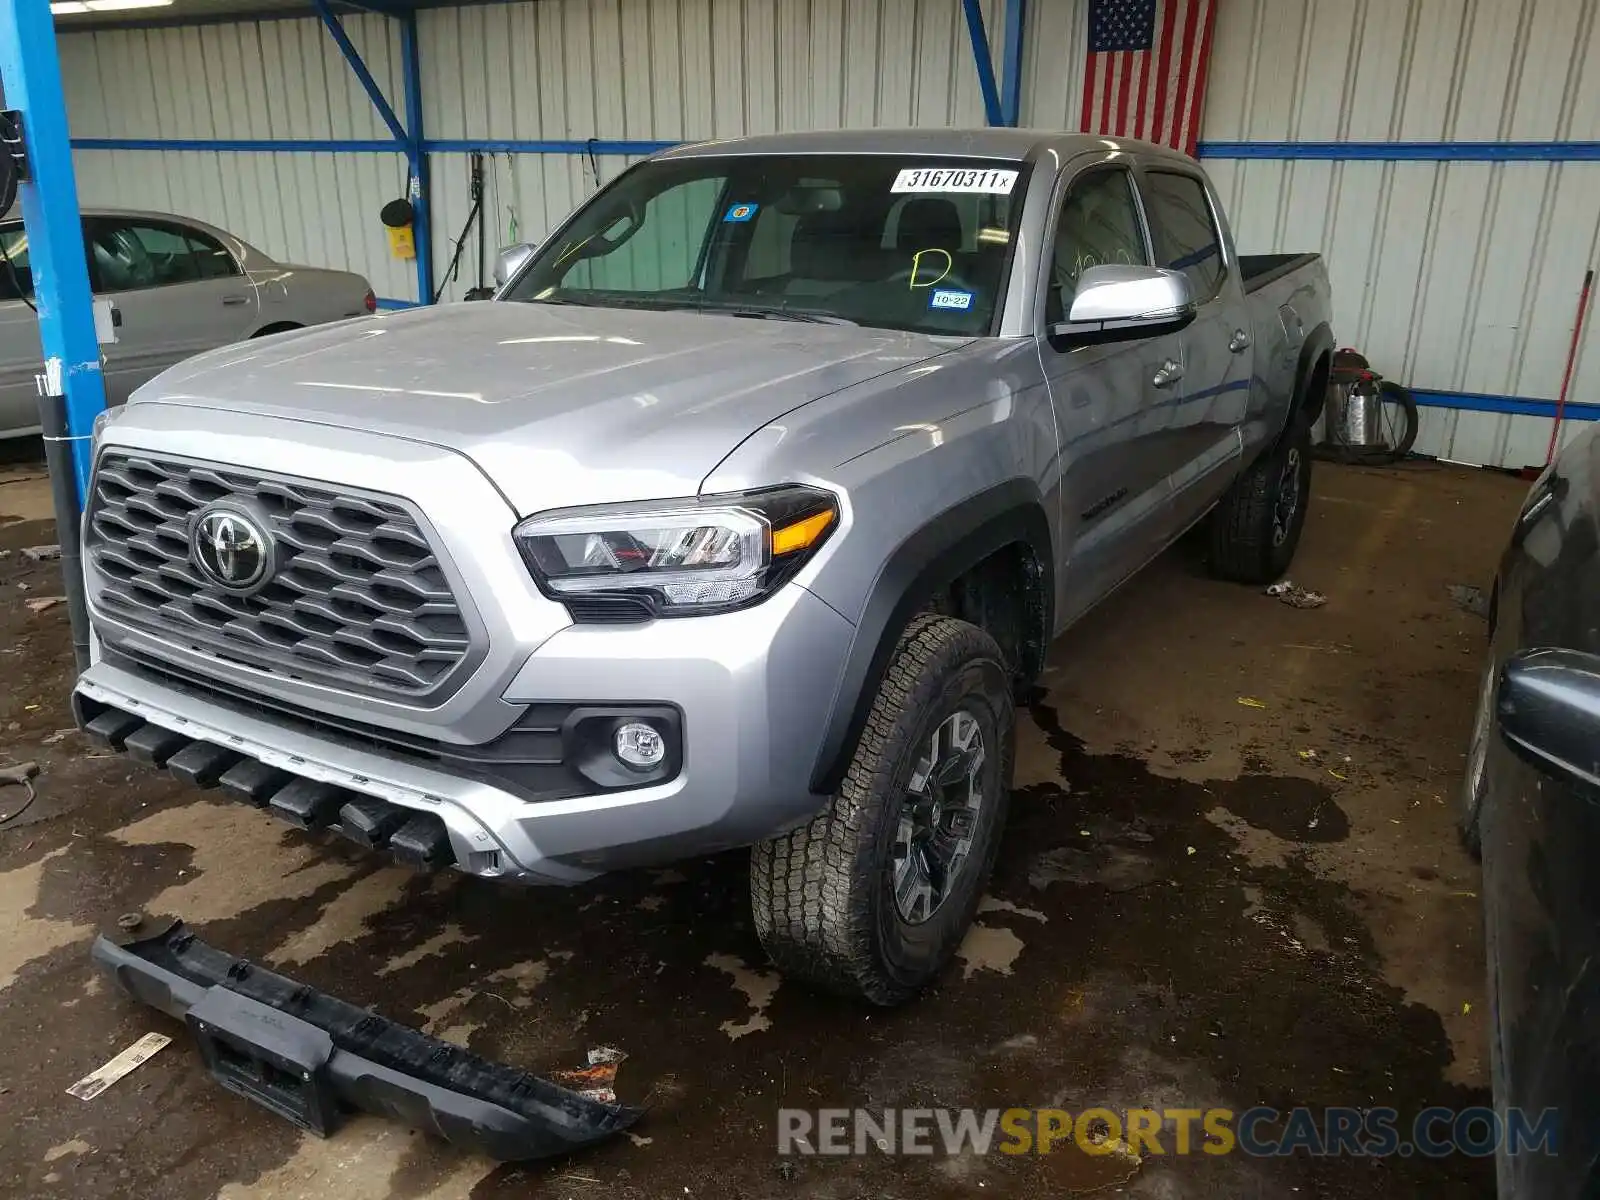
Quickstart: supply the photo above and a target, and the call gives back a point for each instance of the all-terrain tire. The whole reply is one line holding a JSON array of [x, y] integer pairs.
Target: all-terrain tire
[[822, 895], [1249, 542]]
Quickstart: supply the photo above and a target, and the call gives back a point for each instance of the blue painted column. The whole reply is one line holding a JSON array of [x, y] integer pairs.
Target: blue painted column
[[417, 154], [984, 59], [30, 73], [1016, 23]]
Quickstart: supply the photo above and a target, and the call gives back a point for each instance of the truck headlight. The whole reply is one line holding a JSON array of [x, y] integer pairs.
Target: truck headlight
[[676, 557]]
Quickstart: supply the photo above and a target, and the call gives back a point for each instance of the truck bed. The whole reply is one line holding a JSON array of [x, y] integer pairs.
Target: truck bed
[[1258, 270]]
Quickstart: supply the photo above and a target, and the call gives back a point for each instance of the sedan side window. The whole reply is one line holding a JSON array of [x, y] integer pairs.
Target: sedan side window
[[16, 281], [211, 256], [1185, 233], [1099, 226], [130, 255]]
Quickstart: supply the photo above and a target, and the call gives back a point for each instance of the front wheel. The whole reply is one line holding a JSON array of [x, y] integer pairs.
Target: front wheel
[[1256, 526], [872, 898]]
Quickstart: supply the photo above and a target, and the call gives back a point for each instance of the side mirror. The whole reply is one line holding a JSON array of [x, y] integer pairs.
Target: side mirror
[[1548, 709], [510, 260], [1119, 303]]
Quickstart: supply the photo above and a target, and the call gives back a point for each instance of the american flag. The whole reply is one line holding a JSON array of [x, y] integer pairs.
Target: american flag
[[1146, 75]]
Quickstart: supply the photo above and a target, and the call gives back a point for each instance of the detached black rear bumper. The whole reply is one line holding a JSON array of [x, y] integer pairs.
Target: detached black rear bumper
[[311, 1058]]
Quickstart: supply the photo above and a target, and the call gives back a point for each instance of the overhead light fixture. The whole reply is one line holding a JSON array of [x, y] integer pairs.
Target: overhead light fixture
[[72, 8]]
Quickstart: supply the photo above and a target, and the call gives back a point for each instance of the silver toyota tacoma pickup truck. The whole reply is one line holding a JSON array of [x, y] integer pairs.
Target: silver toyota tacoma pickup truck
[[737, 518]]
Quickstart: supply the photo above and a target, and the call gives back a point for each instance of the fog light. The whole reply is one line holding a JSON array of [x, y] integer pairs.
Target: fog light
[[639, 745]]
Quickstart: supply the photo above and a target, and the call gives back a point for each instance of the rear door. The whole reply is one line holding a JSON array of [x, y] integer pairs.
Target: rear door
[[1214, 395], [21, 356], [175, 290], [1113, 403]]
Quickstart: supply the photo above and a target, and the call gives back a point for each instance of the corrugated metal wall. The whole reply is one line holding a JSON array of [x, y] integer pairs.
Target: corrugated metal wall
[[247, 81], [671, 70], [1454, 276], [1450, 276]]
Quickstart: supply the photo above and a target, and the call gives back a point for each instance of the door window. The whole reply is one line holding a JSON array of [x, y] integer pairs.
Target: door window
[[211, 256], [1185, 233], [1099, 226], [130, 255], [16, 281]]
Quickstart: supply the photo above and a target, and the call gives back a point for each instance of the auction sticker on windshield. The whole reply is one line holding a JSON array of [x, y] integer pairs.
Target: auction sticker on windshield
[[954, 179]]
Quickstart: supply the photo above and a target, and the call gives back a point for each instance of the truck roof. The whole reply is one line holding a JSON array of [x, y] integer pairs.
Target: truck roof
[[1018, 145]]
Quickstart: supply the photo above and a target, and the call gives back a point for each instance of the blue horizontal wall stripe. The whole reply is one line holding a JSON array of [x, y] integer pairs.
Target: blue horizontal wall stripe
[[1408, 151], [1326, 151], [335, 146], [492, 146], [389, 302], [303, 145], [1519, 406]]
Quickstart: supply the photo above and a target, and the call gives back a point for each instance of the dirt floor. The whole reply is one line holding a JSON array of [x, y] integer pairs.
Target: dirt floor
[[1230, 879]]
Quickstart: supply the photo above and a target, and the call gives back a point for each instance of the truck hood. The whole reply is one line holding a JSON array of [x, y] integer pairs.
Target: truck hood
[[558, 405]]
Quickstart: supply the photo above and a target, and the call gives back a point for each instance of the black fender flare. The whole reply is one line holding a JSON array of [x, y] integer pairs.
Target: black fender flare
[[1319, 342], [943, 549]]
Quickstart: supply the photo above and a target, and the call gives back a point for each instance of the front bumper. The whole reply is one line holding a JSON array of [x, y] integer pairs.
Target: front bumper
[[753, 688], [310, 1057]]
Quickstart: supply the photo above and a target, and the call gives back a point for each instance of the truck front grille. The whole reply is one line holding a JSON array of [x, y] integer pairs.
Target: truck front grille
[[357, 599]]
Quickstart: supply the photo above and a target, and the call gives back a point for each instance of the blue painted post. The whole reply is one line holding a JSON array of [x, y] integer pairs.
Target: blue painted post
[[985, 62], [30, 73], [1011, 62], [417, 155], [353, 57]]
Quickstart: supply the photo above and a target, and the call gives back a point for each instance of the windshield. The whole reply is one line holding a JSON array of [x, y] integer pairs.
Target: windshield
[[893, 241]]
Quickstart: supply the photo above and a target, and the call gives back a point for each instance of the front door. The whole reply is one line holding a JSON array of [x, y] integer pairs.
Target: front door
[[1113, 403], [175, 292]]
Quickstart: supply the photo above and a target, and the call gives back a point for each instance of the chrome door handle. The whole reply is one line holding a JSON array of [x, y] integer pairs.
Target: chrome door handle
[[1169, 374], [233, 300], [1239, 342]]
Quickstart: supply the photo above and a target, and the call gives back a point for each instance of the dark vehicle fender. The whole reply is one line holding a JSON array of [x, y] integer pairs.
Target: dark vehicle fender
[[949, 545], [1309, 395]]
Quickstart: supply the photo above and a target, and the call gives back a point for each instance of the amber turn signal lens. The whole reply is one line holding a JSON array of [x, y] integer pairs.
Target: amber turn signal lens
[[802, 534]]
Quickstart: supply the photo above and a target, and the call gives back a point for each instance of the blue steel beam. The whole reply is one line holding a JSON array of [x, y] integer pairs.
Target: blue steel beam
[[985, 60], [244, 146], [1273, 151], [353, 57], [417, 156], [30, 73], [1016, 21]]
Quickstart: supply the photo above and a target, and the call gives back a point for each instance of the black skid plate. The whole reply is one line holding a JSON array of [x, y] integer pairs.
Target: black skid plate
[[311, 1058]]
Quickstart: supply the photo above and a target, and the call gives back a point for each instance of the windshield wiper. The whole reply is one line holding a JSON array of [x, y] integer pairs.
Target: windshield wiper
[[768, 312], [600, 300], [730, 308], [779, 313]]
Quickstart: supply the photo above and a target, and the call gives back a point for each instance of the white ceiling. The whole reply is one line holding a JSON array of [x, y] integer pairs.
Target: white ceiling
[[186, 10]]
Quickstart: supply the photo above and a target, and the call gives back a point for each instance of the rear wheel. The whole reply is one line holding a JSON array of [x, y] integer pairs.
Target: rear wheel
[[1256, 527], [1397, 420], [872, 897], [280, 327]]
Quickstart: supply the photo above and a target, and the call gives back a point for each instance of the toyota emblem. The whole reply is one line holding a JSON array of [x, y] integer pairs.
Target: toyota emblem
[[231, 549]]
